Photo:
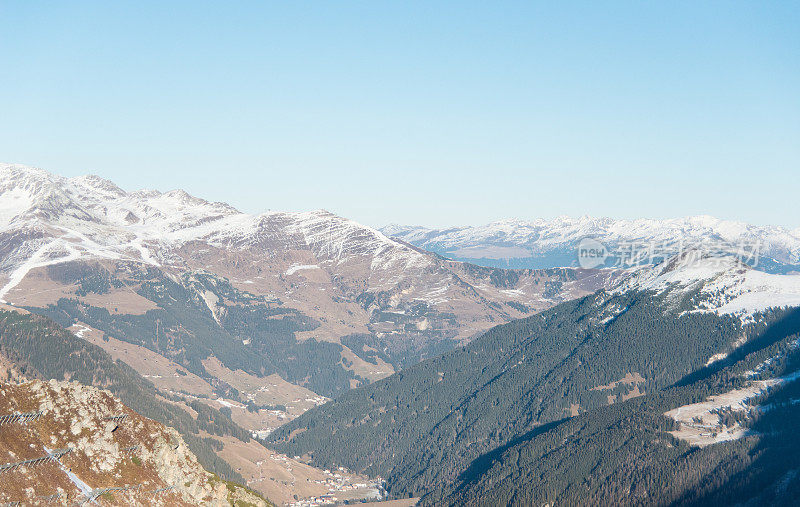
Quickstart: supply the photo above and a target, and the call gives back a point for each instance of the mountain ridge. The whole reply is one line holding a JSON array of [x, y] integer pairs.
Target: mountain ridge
[[47, 219], [317, 299]]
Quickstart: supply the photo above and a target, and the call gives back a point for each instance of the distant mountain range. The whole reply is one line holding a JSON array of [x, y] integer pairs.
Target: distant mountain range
[[553, 243]]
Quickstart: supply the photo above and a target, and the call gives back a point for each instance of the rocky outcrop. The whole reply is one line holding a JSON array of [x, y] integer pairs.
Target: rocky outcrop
[[68, 443]]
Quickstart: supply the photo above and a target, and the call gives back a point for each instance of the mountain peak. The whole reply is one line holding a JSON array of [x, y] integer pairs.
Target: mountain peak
[[97, 184], [21, 170], [32, 179]]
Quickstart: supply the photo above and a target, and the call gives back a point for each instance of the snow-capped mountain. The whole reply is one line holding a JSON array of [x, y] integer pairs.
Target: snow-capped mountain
[[92, 217], [550, 243], [309, 274], [49, 219]]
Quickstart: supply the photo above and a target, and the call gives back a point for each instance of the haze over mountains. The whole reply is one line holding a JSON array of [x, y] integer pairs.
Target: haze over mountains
[[548, 243], [215, 289]]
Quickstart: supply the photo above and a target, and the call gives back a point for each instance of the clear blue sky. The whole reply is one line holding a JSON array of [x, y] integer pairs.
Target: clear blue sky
[[434, 113]]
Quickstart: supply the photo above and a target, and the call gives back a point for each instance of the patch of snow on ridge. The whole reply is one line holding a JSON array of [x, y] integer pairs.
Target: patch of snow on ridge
[[683, 270], [756, 291], [727, 286], [13, 203], [700, 424]]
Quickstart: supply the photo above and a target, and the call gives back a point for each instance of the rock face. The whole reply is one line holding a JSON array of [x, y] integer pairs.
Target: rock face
[[64, 442]]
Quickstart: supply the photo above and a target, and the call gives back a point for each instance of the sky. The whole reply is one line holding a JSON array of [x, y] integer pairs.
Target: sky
[[426, 113]]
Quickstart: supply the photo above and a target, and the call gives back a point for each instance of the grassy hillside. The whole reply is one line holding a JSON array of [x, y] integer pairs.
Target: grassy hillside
[[182, 328]]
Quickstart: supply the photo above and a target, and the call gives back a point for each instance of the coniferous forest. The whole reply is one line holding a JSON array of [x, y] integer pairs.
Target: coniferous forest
[[531, 412]]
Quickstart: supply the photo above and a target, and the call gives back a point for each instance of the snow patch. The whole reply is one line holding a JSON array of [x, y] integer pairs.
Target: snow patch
[[294, 268]]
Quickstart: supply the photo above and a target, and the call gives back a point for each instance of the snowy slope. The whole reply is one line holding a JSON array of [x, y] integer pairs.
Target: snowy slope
[[100, 209], [547, 243], [45, 218], [725, 285]]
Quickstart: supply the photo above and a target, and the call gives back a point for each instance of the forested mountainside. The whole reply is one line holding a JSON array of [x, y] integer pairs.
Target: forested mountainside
[[551, 243], [40, 349], [317, 299], [245, 331], [419, 427], [68, 444], [722, 436], [424, 427]]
